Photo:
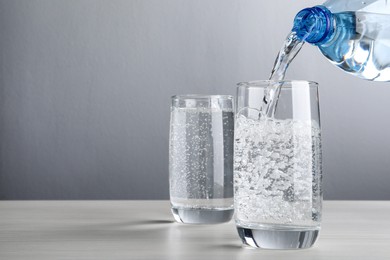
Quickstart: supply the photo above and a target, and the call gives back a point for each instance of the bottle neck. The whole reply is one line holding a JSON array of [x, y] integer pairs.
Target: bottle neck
[[314, 25]]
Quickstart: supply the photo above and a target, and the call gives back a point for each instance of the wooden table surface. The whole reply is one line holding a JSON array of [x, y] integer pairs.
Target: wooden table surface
[[145, 230]]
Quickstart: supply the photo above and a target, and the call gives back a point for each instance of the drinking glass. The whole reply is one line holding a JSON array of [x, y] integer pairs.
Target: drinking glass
[[201, 158], [277, 166]]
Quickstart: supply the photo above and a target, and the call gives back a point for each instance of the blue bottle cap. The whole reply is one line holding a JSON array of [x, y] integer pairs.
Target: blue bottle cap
[[314, 25]]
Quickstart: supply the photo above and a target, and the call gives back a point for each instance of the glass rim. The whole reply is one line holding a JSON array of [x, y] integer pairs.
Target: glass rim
[[265, 83], [201, 96]]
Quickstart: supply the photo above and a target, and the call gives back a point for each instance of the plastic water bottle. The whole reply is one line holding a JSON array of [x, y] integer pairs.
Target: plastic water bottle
[[353, 34]]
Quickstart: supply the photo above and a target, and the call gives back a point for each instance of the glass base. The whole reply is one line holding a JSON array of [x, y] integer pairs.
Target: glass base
[[286, 238], [202, 216]]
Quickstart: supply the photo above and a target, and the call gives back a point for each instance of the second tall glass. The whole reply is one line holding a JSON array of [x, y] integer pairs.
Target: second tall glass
[[277, 166]]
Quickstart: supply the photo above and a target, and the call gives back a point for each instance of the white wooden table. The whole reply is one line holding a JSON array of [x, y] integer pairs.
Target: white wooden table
[[145, 230]]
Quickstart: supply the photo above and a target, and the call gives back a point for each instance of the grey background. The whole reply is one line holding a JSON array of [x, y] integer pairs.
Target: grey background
[[86, 85]]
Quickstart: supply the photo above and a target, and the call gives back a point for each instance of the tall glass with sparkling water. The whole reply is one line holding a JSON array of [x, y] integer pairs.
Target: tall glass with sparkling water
[[277, 166], [201, 158]]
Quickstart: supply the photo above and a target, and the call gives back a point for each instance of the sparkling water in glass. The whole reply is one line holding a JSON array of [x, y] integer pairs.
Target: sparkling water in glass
[[201, 158], [277, 166]]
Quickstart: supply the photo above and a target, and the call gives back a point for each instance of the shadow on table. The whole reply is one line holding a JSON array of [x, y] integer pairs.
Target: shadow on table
[[151, 222], [228, 246], [124, 231], [138, 223]]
